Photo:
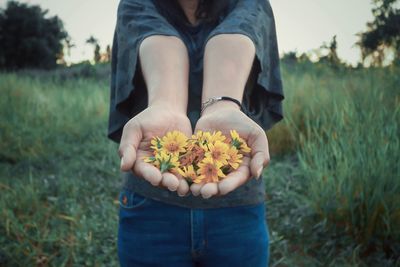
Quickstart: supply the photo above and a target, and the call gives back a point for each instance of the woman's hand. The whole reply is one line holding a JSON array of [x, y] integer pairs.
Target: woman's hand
[[155, 120], [225, 116]]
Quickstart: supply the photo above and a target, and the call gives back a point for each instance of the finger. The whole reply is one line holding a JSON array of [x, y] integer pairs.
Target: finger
[[183, 187], [195, 188], [257, 164], [169, 180], [128, 158], [131, 136], [234, 179], [258, 143], [209, 190], [148, 172]]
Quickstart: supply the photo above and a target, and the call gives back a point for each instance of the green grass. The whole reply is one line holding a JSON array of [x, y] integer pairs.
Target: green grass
[[332, 185], [344, 129], [59, 178]]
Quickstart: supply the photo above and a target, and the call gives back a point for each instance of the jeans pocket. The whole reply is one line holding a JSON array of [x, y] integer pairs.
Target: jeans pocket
[[130, 200]]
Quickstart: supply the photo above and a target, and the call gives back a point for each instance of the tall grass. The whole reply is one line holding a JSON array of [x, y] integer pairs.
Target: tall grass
[[345, 130], [58, 176], [37, 116], [351, 164]]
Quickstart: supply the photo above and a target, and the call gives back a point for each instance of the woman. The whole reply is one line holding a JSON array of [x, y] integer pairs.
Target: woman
[[169, 59]]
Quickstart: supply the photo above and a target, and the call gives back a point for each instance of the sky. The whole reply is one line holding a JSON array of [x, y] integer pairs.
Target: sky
[[301, 25]]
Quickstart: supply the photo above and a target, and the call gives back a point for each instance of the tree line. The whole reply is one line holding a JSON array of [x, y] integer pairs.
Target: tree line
[[30, 39]]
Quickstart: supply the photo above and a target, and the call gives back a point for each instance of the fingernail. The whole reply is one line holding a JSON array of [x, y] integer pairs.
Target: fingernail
[[195, 193], [181, 195], [172, 188], [259, 172], [206, 196], [122, 162]]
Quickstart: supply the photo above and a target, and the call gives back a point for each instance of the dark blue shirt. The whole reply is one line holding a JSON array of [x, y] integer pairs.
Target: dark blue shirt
[[263, 95]]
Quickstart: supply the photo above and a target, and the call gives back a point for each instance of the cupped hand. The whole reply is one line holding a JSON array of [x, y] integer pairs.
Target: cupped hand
[[135, 145], [225, 116]]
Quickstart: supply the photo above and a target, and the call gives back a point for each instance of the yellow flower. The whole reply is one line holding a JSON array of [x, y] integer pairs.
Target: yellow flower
[[174, 142], [217, 152], [191, 142], [216, 136], [206, 157], [165, 161], [189, 172], [202, 139], [209, 171], [235, 158], [176, 170], [194, 153], [156, 143], [239, 143]]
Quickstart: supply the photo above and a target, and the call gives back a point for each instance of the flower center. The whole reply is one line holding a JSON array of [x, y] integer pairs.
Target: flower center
[[172, 147], [216, 154], [210, 170]]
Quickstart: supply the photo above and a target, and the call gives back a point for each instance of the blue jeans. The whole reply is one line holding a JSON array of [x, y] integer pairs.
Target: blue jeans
[[154, 233]]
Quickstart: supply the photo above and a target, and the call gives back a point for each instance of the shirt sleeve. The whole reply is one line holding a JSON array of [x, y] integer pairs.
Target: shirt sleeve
[[263, 94], [136, 20]]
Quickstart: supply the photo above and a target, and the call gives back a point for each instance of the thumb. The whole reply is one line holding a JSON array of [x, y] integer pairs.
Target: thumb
[[131, 137], [260, 158]]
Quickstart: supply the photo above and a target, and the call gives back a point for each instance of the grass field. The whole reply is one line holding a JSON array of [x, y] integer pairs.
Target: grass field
[[333, 184]]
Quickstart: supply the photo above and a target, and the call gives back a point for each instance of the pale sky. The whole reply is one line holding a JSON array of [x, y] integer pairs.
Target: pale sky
[[302, 25]]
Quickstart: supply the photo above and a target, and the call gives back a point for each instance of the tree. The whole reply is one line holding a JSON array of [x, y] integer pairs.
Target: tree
[[28, 39], [383, 34], [97, 55], [93, 41], [332, 57], [69, 44], [293, 57], [108, 53]]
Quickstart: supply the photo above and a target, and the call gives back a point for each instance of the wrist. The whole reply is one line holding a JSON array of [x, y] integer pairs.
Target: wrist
[[168, 106], [220, 105], [168, 96]]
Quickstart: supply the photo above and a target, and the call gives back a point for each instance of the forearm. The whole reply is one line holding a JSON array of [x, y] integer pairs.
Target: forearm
[[165, 67], [228, 59]]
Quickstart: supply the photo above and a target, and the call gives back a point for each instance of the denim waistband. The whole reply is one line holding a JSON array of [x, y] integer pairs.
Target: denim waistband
[[251, 192]]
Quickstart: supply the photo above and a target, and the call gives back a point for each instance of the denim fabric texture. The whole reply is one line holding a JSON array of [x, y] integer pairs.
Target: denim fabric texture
[[152, 233], [138, 19]]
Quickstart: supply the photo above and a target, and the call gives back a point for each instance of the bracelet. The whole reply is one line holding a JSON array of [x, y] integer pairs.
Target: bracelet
[[215, 99]]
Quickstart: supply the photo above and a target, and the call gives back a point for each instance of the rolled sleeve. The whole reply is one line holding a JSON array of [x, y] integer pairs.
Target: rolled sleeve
[[263, 96], [136, 20]]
